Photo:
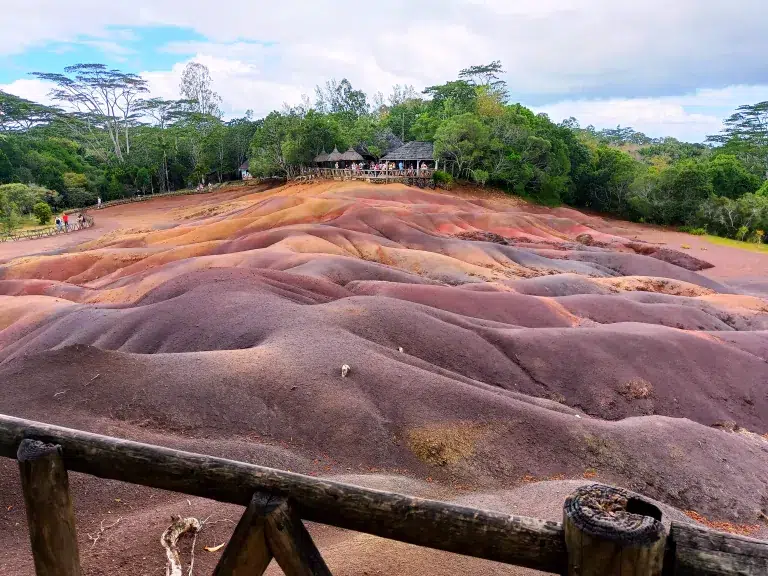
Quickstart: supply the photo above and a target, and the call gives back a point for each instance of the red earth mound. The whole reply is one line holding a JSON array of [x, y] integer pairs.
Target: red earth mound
[[487, 347]]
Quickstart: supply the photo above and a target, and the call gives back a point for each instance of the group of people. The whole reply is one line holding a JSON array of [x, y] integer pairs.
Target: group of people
[[62, 222], [381, 166]]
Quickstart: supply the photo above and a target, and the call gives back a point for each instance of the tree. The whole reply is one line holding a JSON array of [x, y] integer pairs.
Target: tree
[[486, 75], [9, 214], [24, 196], [270, 145], [730, 178], [746, 133], [20, 114], [461, 141], [42, 212], [452, 98], [196, 88], [688, 185], [340, 98], [102, 98]]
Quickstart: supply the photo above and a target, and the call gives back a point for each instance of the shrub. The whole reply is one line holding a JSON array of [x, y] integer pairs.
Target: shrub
[[480, 176], [42, 212], [442, 179], [694, 231]]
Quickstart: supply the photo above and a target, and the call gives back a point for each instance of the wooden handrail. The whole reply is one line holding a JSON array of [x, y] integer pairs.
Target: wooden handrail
[[594, 542], [528, 542]]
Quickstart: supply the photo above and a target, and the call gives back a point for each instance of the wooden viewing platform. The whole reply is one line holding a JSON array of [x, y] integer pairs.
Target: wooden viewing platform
[[605, 531], [420, 178]]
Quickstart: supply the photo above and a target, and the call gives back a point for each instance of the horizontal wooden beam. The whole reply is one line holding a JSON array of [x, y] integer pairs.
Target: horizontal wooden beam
[[528, 542], [702, 552]]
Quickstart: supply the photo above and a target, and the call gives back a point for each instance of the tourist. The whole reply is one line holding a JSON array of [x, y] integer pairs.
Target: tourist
[[66, 221], [58, 223], [400, 165], [336, 166], [98, 202]]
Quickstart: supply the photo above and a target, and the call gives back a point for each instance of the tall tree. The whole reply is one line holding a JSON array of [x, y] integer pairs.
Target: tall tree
[[196, 87], [103, 99], [488, 76], [745, 133], [340, 98], [21, 114]]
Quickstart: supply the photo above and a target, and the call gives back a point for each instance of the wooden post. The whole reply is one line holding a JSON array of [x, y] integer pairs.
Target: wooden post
[[612, 532], [270, 527], [290, 542], [247, 553], [50, 517]]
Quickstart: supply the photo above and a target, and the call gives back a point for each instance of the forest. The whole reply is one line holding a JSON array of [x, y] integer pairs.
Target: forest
[[107, 138]]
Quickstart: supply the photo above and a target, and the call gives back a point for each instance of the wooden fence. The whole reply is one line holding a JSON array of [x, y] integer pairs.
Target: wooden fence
[[412, 177], [48, 231], [605, 531]]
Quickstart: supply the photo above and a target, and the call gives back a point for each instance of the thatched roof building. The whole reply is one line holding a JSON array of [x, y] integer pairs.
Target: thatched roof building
[[413, 152], [351, 156], [334, 156], [322, 157]]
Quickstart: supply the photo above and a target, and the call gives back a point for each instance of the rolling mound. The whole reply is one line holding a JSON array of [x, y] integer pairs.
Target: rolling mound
[[492, 344]]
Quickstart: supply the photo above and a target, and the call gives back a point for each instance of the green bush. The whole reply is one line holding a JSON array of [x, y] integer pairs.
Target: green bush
[[442, 179], [694, 231], [480, 176], [42, 212]]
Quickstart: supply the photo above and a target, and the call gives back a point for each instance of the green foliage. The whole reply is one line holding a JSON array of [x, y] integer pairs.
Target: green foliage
[[442, 179], [480, 176], [42, 212], [462, 141], [66, 159], [693, 230], [730, 178], [10, 219], [25, 196]]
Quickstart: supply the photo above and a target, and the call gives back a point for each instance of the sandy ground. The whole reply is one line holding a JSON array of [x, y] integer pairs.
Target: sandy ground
[[501, 353]]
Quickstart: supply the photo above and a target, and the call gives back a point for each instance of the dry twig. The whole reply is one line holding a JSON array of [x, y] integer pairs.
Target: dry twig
[[101, 531]]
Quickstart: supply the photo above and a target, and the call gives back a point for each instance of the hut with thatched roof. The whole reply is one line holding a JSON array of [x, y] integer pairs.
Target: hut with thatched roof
[[334, 156], [412, 155], [350, 156], [322, 157]]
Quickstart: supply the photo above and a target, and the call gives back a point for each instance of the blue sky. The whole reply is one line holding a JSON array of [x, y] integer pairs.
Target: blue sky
[[664, 67]]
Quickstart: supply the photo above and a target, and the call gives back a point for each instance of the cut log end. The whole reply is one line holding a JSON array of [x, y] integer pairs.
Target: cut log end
[[30, 450], [614, 514], [609, 531]]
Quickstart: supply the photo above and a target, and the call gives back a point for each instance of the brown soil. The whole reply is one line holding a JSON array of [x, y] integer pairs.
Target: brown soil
[[220, 323]]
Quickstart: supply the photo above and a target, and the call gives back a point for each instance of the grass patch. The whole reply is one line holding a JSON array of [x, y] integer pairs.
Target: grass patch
[[29, 222], [750, 246], [442, 444]]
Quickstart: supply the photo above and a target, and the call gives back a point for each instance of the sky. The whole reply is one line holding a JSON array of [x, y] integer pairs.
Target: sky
[[664, 67]]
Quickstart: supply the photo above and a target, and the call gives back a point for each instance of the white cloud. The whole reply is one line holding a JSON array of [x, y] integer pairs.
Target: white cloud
[[691, 116], [662, 66], [29, 88]]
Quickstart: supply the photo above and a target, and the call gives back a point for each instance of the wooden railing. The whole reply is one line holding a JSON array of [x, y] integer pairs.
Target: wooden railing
[[606, 531], [412, 176], [47, 231]]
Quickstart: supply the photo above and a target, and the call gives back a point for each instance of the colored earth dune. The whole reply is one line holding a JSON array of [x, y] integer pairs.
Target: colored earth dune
[[492, 343]]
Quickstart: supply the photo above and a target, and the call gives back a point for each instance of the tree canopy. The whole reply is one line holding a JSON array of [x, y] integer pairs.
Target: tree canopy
[[109, 139]]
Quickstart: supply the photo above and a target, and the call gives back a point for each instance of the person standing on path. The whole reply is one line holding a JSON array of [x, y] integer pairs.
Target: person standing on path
[[66, 222], [98, 202], [58, 224]]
